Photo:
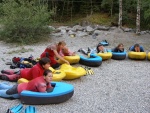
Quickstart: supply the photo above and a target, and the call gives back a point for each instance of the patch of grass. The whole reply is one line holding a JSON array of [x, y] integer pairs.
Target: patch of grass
[[22, 50], [96, 18], [102, 19]]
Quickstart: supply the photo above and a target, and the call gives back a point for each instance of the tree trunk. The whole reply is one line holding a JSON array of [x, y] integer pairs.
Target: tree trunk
[[120, 14], [138, 17]]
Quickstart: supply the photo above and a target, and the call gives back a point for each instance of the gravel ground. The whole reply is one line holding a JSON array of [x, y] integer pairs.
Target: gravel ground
[[116, 87]]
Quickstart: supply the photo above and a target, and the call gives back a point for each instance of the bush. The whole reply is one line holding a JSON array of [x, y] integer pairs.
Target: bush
[[24, 21]]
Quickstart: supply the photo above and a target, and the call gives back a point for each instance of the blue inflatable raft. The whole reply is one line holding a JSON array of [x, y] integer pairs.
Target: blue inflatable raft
[[92, 61], [61, 93]]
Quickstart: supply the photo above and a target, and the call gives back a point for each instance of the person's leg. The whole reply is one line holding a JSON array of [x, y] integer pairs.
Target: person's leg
[[12, 78], [5, 85], [12, 90], [84, 51], [10, 93], [9, 72], [89, 49]]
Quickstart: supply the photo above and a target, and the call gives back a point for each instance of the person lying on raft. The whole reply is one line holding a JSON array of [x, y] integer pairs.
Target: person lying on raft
[[52, 52], [66, 52], [27, 73], [99, 49], [39, 84], [137, 48], [119, 48]]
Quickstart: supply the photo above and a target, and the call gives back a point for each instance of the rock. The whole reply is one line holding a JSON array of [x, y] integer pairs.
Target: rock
[[51, 27], [118, 30], [78, 28], [97, 32], [112, 28], [63, 31], [81, 34], [89, 29], [126, 29], [104, 28], [56, 31], [143, 32]]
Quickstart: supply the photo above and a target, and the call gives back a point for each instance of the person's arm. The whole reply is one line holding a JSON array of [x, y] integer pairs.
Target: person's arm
[[132, 48], [61, 58], [42, 87], [105, 50], [61, 53], [141, 49], [50, 87], [122, 50], [114, 50]]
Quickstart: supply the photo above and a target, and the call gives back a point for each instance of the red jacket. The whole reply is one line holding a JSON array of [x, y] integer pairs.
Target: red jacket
[[31, 73], [37, 85], [50, 50]]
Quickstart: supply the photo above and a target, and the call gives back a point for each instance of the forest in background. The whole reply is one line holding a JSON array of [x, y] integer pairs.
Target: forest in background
[[71, 10], [74, 9], [27, 21]]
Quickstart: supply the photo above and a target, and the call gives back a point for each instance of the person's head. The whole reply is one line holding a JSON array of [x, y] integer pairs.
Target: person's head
[[61, 44], [48, 75], [100, 47], [120, 46], [45, 62], [137, 47]]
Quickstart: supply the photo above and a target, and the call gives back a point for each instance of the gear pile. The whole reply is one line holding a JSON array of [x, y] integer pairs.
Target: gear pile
[[20, 62]]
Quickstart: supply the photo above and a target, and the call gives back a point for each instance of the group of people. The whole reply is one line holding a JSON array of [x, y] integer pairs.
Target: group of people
[[120, 48], [40, 76]]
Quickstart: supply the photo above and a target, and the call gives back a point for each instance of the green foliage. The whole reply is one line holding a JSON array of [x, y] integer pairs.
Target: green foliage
[[110, 6], [24, 21], [102, 19], [146, 13], [129, 6]]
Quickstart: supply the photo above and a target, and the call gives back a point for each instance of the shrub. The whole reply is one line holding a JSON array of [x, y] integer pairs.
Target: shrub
[[24, 21]]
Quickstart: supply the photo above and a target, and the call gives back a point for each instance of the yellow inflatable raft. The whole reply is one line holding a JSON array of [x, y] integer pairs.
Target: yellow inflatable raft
[[71, 59], [58, 75], [72, 72], [105, 56], [22, 80], [148, 56], [137, 55]]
